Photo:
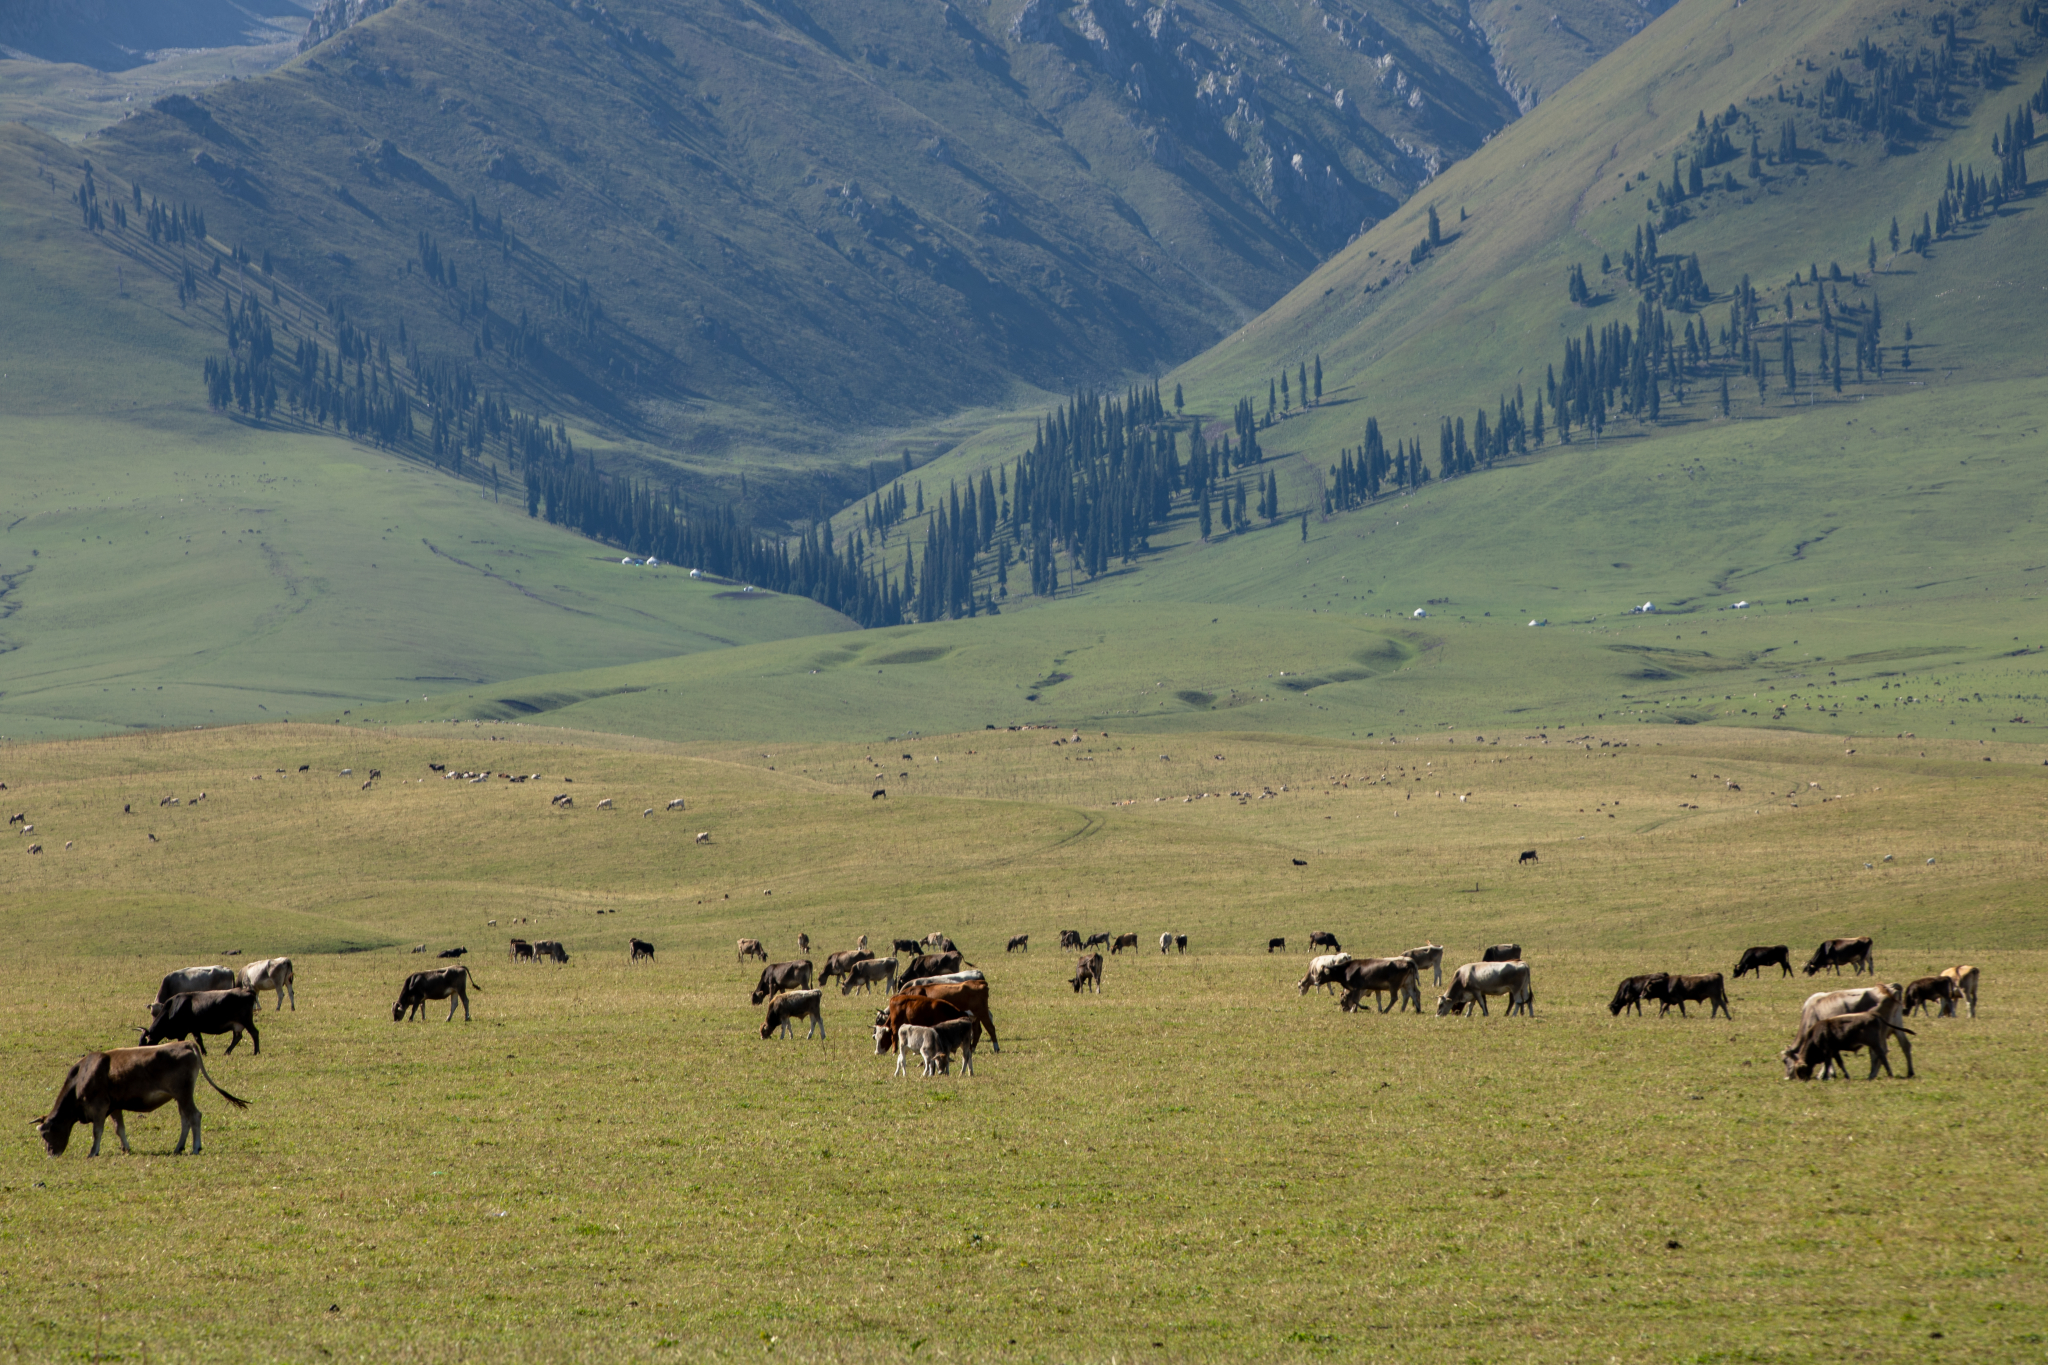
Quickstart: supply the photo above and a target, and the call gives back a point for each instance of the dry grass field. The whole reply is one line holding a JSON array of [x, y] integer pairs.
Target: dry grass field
[[609, 1163]]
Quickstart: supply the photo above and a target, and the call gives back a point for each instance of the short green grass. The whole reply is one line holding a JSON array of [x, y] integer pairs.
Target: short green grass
[[608, 1162]]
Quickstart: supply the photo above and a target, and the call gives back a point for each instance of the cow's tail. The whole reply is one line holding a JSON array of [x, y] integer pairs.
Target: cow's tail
[[471, 977], [235, 1100]]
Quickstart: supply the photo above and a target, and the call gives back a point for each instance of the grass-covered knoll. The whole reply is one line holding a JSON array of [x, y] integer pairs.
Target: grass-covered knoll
[[608, 1162], [735, 230]]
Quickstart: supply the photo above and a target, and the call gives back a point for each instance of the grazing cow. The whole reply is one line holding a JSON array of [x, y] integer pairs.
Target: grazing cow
[[1123, 941], [271, 974], [1923, 993], [1756, 959], [128, 1080], [918, 1040], [1180, 943], [703, 836], [451, 952], [1528, 856], [195, 1014], [1823, 1043], [1069, 938], [934, 940], [908, 1011], [1088, 971], [605, 804], [1097, 941], [445, 983], [1276, 945], [1677, 990], [522, 951], [793, 1005], [1396, 977], [933, 964], [1634, 990], [1836, 951], [907, 945], [1323, 971], [957, 1035], [1502, 952], [782, 976], [676, 804], [803, 943], [1887, 1000], [1473, 982], [837, 964], [970, 997], [1166, 942], [1319, 939], [196, 979], [1966, 987], [641, 948], [18, 818], [751, 947], [866, 972], [552, 951], [1017, 942], [1430, 955]]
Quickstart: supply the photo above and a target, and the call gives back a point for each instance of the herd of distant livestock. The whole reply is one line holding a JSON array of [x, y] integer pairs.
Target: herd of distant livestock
[[937, 1008]]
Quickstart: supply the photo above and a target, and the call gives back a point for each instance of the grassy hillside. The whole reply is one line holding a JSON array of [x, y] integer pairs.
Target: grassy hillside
[[1242, 1172], [956, 206]]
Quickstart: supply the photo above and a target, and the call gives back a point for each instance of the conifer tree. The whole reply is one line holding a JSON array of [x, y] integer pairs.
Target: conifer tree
[[1436, 232], [1301, 381], [1319, 377], [1178, 401]]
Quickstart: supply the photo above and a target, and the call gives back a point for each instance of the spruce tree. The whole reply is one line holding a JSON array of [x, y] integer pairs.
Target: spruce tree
[[1178, 401], [1436, 232], [1205, 521], [1319, 378], [1724, 395], [1301, 382]]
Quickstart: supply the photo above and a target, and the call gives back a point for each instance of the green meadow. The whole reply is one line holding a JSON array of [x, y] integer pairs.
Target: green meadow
[[607, 1162]]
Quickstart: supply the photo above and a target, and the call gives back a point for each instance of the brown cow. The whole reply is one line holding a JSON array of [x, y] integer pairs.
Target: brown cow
[[933, 964], [782, 976], [838, 964], [1634, 990], [1123, 941], [971, 997], [1923, 993], [1886, 1000], [1088, 971], [448, 983], [917, 1010], [125, 1080], [1823, 1043], [1836, 951], [1397, 977], [751, 947], [793, 1005], [1679, 989]]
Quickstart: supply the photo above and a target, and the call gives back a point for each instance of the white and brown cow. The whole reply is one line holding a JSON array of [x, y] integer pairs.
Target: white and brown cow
[[751, 947], [1431, 956], [793, 1005], [1888, 1000], [1323, 971], [868, 973], [128, 1080], [272, 973]]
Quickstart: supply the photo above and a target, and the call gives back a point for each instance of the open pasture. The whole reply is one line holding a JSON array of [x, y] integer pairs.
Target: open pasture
[[1199, 1163]]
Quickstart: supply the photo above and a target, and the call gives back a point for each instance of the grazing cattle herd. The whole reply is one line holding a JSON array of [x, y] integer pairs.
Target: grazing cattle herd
[[937, 1009]]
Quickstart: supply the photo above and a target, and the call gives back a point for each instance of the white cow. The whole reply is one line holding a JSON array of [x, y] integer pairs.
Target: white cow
[[1966, 983], [272, 973], [214, 978], [1888, 1002], [867, 972], [1323, 971], [1473, 982], [1430, 955]]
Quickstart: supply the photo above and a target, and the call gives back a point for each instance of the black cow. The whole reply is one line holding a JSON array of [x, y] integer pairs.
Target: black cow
[[1276, 945], [195, 1014], [641, 948], [443, 983], [1502, 952], [1096, 941], [1756, 959], [1020, 941], [1836, 951], [778, 977], [1634, 990], [451, 952], [1528, 856], [908, 945], [1319, 939], [1070, 938], [932, 964]]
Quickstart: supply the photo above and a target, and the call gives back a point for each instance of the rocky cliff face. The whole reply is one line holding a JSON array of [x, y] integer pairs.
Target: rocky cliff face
[[335, 15]]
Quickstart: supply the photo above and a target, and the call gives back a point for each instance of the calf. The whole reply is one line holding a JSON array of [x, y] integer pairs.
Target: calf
[[1087, 972], [1322, 971], [1824, 1043], [1276, 945], [779, 977], [1677, 990], [1756, 959], [751, 947], [446, 983], [1018, 942], [194, 1014], [957, 1035], [1836, 951], [1319, 939], [803, 944], [793, 1005], [1473, 982], [641, 948], [1396, 977], [838, 964], [1123, 941], [128, 1080], [1634, 990], [1502, 952], [867, 972], [522, 951], [919, 1040], [911, 1011], [272, 973], [1069, 939], [1923, 993], [196, 979], [1966, 985]]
